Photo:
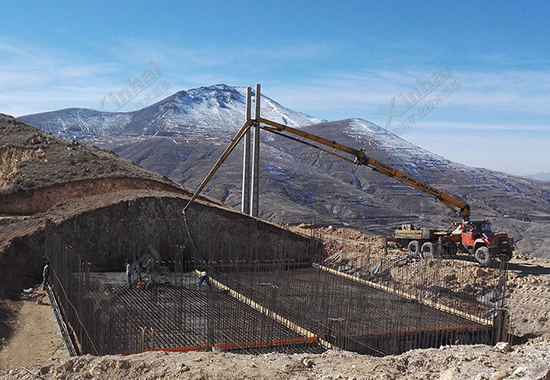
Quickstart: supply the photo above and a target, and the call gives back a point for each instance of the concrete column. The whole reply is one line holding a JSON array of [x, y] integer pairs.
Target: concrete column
[[247, 158], [254, 191]]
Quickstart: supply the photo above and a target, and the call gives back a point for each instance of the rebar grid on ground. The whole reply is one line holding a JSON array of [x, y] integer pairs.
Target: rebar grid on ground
[[284, 302]]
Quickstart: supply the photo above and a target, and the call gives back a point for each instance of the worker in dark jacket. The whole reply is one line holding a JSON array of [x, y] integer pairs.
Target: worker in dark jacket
[[203, 279]]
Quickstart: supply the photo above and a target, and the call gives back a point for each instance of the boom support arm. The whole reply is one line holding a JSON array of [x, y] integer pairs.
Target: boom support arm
[[361, 159], [220, 161]]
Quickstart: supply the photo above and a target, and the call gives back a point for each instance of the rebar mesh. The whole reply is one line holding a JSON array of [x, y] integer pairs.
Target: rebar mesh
[[277, 299]]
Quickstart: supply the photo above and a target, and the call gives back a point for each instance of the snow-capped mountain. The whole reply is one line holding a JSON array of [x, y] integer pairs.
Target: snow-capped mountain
[[182, 136], [202, 111], [80, 123]]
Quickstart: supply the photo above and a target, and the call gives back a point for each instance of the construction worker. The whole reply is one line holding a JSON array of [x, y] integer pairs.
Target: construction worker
[[129, 270], [203, 278], [46, 275]]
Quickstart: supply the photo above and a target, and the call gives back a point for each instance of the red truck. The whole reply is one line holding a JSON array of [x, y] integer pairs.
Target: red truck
[[468, 237]]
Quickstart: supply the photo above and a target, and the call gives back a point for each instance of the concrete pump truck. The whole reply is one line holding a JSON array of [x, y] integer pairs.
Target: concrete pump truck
[[470, 237]]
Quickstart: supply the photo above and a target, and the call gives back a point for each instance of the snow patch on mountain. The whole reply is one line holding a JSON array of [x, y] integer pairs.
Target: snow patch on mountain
[[221, 107], [411, 157], [200, 111], [79, 123]]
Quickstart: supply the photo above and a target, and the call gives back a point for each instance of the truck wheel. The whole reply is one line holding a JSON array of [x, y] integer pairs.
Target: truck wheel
[[413, 248], [483, 256], [428, 250]]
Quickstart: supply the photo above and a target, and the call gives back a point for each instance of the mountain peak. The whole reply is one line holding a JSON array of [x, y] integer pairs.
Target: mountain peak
[[220, 86], [196, 111]]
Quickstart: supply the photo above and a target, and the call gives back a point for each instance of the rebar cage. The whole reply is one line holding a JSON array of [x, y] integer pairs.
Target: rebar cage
[[279, 299]]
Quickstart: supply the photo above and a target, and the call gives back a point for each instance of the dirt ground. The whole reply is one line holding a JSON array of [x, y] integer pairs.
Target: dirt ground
[[37, 338], [459, 362]]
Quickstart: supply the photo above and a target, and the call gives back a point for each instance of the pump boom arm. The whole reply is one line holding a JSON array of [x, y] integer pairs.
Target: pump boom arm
[[455, 205], [338, 150]]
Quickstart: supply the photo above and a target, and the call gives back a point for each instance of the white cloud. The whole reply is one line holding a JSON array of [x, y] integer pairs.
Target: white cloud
[[488, 127], [36, 79], [39, 80], [185, 55], [519, 154]]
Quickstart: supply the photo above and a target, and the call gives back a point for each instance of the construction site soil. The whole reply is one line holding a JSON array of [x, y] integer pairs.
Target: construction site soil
[[38, 184]]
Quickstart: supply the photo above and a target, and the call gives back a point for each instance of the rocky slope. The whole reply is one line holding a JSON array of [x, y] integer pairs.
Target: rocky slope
[[39, 171], [33, 159], [446, 363]]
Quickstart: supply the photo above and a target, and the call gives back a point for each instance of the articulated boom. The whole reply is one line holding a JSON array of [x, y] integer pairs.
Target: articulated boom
[[337, 149], [361, 159]]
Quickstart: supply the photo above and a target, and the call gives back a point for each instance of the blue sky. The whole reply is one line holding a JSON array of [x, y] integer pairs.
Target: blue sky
[[332, 60]]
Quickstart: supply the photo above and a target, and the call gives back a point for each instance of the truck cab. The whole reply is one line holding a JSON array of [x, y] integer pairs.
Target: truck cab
[[471, 231], [478, 238]]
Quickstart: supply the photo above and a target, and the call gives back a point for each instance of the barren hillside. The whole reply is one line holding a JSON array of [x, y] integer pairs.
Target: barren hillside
[[301, 184]]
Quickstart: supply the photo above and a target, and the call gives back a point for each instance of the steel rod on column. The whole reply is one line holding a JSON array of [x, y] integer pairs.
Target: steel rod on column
[[254, 191], [247, 157]]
